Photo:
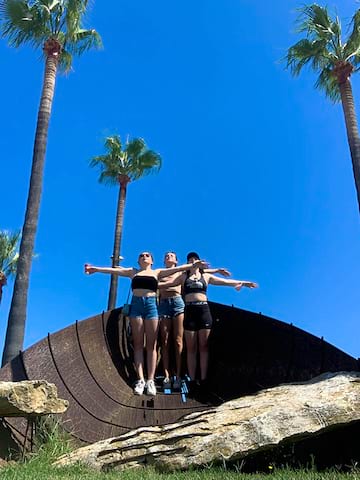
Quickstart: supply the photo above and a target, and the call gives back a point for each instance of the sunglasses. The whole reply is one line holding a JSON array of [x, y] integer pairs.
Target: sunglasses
[[144, 255]]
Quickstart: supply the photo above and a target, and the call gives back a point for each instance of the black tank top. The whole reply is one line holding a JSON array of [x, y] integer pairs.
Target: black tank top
[[194, 286], [144, 281]]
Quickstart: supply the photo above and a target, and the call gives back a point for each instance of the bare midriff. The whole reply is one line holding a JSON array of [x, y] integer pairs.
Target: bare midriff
[[143, 292], [195, 297], [170, 292]]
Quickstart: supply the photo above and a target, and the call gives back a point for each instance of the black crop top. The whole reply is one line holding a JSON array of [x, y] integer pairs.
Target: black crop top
[[194, 286], [144, 281]]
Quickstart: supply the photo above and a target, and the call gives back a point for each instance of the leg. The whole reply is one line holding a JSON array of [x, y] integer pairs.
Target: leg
[[191, 352], [178, 334], [151, 327], [165, 327], [204, 352], [137, 328]]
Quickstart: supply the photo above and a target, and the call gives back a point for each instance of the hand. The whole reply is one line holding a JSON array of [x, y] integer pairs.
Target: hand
[[246, 284], [250, 284], [200, 264], [89, 269], [224, 272]]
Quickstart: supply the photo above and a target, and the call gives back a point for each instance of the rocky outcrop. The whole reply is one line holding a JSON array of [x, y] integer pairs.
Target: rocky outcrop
[[6, 463], [233, 430], [33, 397]]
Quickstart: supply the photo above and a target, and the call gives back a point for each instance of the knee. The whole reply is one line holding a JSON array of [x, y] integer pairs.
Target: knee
[[178, 343], [138, 344], [191, 350], [151, 346], [203, 347], [164, 341]]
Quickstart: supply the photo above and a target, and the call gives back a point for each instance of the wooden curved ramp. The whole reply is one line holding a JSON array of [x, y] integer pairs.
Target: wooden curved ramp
[[91, 364], [250, 351]]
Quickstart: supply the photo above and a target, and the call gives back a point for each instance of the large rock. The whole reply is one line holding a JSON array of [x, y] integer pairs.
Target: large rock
[[233, 430], [33, 397]]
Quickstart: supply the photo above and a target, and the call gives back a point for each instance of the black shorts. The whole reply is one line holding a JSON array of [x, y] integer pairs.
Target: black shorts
[[197, 316]]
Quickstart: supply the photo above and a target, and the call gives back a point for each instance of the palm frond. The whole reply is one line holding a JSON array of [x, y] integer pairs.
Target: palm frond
[[10, 267], [35, 21], [323, 49], [109, 166], [308, 51], [352, 46], [315, 21], [51, 4], [327, 82], [336, 27], [83, 40], [146, 164], [355, 60], [109, 177], [74, 12], [134, 148], [134, 161], [113, 144], [65, 61], [22, 22], [8, 251]]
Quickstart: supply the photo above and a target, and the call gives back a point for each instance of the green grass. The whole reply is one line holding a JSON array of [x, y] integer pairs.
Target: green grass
[[51, 444], [42, 470]]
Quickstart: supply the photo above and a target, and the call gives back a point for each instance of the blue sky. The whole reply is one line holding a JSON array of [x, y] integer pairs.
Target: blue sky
[[256, 170]]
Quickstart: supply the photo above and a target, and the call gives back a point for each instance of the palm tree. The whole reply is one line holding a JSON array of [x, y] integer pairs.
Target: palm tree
[[55, 26], [335, 60], [120, 166], [8, 256]]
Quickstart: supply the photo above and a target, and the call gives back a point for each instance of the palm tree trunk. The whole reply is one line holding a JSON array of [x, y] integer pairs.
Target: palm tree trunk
[[3, 282], [352, 130], [17, 316], [117, 243]]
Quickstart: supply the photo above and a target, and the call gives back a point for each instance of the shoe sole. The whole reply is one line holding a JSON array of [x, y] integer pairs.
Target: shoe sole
[[138, 393]]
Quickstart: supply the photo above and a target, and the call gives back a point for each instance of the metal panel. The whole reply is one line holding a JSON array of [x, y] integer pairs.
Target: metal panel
[[91, 364]]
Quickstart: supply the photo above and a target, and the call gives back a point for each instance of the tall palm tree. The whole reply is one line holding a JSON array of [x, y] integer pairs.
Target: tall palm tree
[[55, 26], [335, 60], [120, 166], [8, 256]]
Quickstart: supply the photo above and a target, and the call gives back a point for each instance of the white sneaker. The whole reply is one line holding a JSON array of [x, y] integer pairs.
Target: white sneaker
[[150, 387], [139, 387]]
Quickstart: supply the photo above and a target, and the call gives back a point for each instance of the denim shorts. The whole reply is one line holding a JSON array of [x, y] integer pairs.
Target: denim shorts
[[171, 307], [143, 307]]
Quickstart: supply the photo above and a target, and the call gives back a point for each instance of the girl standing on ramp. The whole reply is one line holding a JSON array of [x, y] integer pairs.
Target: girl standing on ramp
[[198, 320], [144, 319]]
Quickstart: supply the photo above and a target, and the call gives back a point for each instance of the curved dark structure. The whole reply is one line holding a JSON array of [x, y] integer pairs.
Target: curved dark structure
[[90, 362]]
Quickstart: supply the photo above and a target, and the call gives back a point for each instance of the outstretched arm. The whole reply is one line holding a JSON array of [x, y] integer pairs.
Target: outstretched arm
[[165, 272], [238, 284], [223, 271], [120, 271], [172, 282]]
